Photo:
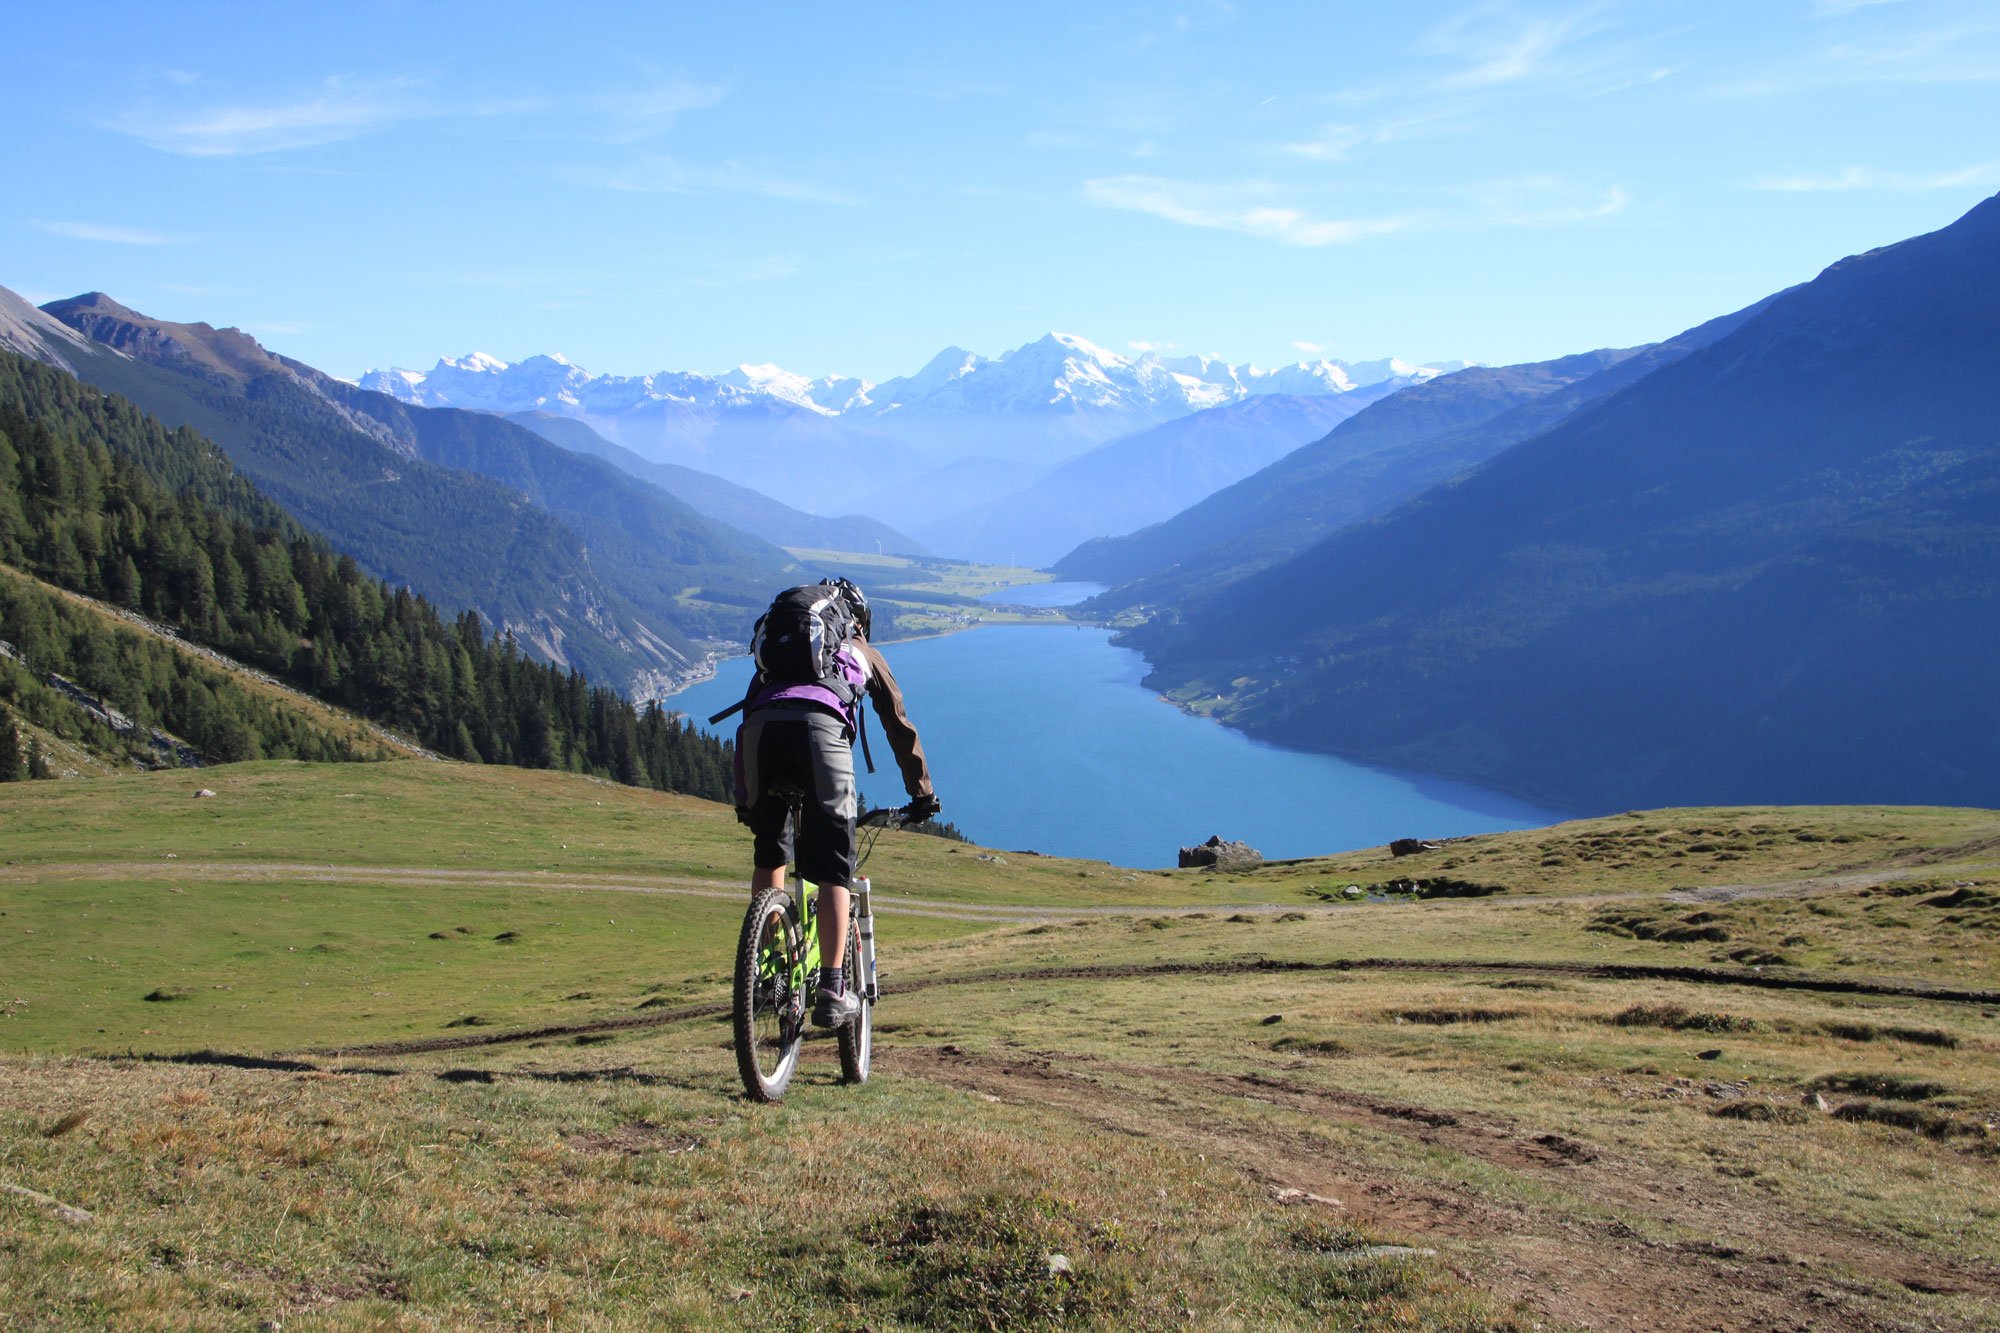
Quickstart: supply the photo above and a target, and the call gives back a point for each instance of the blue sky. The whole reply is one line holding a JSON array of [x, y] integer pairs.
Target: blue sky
[[852, 188]]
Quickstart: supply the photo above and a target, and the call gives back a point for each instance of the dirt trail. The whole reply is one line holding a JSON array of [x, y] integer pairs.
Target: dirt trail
[[678, 886], [1600, 971], [887, 901], [1579, 1262]]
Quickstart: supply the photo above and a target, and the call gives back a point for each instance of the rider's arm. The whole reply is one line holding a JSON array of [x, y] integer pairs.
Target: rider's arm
[[888, 701]]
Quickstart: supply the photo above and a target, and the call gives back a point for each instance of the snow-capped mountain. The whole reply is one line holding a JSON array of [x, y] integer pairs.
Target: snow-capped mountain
[[1032, 407], [1056, 373]]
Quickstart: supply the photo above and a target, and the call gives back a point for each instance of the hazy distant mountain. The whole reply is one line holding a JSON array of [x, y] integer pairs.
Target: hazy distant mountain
[[725, 501], [1147, 476], [586, 565], [821, 444], [1768, 571], [1376, 459]]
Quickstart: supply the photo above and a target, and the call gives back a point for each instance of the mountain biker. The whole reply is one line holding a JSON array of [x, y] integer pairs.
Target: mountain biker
[[801, 732]]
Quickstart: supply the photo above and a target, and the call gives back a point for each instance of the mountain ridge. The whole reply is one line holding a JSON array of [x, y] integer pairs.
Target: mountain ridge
[[352, 465], [1768, 570]]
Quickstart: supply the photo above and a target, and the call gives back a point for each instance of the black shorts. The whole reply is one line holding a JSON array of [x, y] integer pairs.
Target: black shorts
[[808, 747]]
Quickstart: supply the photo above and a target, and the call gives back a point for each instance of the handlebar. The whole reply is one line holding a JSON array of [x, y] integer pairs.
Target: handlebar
[[884, 816]]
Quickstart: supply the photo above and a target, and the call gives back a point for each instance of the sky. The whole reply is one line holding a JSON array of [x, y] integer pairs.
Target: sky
[[850, 189]]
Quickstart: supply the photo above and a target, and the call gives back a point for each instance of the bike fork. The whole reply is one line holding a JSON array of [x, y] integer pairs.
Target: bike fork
[[864, 917]]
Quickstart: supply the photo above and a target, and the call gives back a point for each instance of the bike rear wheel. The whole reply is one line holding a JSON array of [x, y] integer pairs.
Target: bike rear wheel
[[857, 1039], [768, 1009]]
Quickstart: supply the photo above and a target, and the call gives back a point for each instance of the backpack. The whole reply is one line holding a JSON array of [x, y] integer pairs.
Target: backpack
[[798, 641]]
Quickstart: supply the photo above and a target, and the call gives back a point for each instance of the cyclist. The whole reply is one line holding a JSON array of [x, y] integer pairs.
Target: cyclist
[[801, 732]]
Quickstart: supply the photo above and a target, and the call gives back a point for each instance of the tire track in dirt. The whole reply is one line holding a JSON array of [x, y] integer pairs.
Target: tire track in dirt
[[1578, 1266], [1121, 972]]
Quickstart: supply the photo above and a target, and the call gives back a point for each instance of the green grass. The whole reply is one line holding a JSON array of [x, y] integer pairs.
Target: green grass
[[1216, 1115], [940, 596]]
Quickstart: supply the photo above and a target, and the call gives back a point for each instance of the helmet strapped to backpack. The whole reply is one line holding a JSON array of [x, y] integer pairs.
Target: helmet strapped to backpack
[[857, 603], [798, 641]]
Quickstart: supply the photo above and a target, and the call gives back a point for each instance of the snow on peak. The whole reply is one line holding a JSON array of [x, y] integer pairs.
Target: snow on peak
[[476, 362], [1086, 348], [1058, 372]]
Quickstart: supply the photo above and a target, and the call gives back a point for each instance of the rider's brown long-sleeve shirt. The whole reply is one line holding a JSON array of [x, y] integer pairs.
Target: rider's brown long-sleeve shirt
[[887, 697]]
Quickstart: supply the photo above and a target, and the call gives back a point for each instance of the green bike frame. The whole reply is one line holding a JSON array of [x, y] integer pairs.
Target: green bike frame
[[805, 968]]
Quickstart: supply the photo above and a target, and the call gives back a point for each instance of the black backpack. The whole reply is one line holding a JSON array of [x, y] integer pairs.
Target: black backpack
[[798, 640]]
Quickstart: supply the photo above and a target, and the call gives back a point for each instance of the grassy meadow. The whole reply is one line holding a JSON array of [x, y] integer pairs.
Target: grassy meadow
[[927, 595], [422, 1045]]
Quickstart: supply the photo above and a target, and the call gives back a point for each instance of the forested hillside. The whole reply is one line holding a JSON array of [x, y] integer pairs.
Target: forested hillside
[[100, 499], [460, 538]]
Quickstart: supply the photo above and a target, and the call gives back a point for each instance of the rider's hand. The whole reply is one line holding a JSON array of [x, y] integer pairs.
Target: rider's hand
[[923, 807], [743, 815]]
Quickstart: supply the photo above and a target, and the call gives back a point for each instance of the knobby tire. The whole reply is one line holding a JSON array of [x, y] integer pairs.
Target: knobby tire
[[768, 1019], [857, 1039]]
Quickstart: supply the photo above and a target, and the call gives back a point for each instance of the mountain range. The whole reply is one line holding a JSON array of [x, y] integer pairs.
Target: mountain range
[[1364, 467], [1764, 567], [1028, 409]]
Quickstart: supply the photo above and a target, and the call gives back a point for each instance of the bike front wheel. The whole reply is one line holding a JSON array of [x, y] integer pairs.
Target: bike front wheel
[[769, 1006], [857, 1039]]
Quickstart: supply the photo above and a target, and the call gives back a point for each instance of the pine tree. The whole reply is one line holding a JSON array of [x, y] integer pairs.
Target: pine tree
[[11, 767], [38, 763]]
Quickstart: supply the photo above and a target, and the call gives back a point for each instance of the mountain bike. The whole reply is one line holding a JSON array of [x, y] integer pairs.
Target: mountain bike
[[777, 969]]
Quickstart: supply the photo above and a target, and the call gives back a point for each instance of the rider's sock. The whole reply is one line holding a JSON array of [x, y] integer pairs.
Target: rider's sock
[[832, 980]]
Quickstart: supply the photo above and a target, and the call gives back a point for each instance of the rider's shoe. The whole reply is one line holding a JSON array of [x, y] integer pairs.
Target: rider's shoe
[[833, 1011]]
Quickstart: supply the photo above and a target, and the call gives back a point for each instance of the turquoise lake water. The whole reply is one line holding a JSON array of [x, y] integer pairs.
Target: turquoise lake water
[[1042, 738]]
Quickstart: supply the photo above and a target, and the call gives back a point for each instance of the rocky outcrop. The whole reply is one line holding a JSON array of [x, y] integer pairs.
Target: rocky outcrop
[[1217, 853]]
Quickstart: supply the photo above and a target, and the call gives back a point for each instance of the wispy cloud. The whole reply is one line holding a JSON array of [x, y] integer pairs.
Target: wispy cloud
[[1250, 208], [1540, 201], [1496, 46], [341, 108], [1334, 142], [1310, 349], [1936, 54], [1868, 178], [1331, 144], [92, 231], [1224, 208], [1952, 53], [666, 175], [653, 110]]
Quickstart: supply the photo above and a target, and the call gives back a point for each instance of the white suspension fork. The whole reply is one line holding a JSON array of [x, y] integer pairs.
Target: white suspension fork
[[864, 917]]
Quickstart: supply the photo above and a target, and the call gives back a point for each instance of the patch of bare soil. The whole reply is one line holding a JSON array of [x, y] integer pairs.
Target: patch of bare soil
[[1587, 1265], [637, 1137]]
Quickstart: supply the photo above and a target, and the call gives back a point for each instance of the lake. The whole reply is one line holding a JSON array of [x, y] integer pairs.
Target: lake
[[1045, 594], [1042, 737]]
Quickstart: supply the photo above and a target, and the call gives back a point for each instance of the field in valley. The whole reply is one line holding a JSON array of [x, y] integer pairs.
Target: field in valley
[[422, 1045]]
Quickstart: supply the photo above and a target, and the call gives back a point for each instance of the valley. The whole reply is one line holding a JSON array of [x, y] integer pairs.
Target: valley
[[1502, 498]]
